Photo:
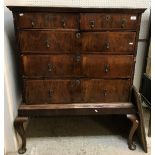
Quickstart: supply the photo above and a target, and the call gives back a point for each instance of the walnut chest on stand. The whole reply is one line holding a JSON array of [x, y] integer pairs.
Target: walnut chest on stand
[[77, 61]]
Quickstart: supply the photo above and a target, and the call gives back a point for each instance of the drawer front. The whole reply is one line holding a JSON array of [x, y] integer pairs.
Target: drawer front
[[48, 20], [74, 91], [52, 91], [50, 41], [112, 66], [96, 90], [50, 65], [70, 65], [101, 21], [61, 41], [116, 42]]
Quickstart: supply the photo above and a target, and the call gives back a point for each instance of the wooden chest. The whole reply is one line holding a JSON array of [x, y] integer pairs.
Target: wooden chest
[[76, 61]]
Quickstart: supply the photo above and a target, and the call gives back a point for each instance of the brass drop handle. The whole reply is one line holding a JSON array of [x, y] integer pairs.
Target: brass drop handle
[[32, 23], [75, 83], [92, 23], [106, 68], [123, 22], [78, 35], [50, 67], [63, 23], [47, 43], [108, 17], [78, 58], [107, 45], [50, 92], [105, 92]]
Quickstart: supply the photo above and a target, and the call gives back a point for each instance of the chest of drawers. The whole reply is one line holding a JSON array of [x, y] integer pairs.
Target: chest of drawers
[[76, 61]]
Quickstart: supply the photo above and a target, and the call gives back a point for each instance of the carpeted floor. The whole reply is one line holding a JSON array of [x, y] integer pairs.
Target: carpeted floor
[[106, 135]]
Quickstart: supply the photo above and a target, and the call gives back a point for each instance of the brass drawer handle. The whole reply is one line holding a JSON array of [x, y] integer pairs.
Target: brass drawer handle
[[50, 67], [107, 45], [32, 23], [123, 22], [78, 35], [78, 58], [50, 93], [75, 83], [106, 68], [63, 23], [47, 43], [107, 18], [92, 23], [105, 92]]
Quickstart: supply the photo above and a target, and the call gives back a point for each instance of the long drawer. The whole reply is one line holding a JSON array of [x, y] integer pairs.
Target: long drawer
[[73, 41], [76, 91], [84, 65]]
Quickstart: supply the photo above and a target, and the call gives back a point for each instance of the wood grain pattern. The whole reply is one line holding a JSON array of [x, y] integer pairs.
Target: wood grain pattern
[[107, 66], [57, 41], [102, 21], [70, 91], [47, 20], [96, 90], [97, 66], [64, 41], [108, 41], [49, 65], [76, 109]]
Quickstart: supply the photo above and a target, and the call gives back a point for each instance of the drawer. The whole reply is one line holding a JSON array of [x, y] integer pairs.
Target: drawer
[[111, 66], [50, 65], [101, 21], [52, 91], [47, 20], [96, 90], [47, 41], [72, 65], [74, 91], [114, 42], [62, 41]]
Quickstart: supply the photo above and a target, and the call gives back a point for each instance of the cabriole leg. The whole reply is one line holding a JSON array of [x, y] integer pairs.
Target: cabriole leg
[[18, 124], [134, 127]]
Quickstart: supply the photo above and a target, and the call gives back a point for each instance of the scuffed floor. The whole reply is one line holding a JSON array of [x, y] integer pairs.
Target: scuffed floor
[[106, 135]]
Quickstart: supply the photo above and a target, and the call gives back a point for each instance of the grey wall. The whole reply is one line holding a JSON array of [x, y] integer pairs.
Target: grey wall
[[12, 93]]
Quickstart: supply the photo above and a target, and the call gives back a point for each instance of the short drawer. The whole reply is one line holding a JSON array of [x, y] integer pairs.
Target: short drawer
[[97, 90], [47, 41], [114, 42], [108, 66], [76, 91], [102, 21], [47, 20], [50, 65]]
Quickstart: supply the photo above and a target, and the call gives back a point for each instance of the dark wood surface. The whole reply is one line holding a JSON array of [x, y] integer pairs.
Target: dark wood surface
[[102, 21], [47, 20], [73, 65], [36, 110], [67, 41], [76, 61], [74, 9], [70, 91], [136, 100]]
